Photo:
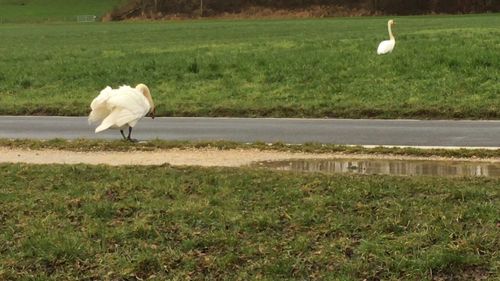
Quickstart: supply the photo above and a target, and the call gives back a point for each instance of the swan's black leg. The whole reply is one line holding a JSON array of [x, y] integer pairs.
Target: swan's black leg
[[129, 134], [123, 135]]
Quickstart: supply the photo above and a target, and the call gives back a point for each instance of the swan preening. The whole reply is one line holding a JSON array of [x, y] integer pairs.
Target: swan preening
[[388, 45], [121, 108]]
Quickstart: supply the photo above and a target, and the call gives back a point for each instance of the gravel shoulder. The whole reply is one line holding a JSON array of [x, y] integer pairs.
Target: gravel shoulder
[[184, 157]]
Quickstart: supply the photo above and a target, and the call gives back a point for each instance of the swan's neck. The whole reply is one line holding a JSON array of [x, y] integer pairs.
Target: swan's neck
[[391, 37], [145, 92], [150, 100]]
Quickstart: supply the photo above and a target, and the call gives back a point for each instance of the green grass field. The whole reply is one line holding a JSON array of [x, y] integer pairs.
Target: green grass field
[[82, 222], [52, 10], [442, 67]]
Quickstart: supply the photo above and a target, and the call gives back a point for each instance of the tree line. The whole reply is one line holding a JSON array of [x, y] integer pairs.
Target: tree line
[[395, 7]]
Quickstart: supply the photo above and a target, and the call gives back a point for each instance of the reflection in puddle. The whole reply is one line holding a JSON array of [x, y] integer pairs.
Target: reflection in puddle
[[388, 167]]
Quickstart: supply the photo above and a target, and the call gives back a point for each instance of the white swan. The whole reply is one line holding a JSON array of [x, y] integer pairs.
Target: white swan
[[121, 108], [388, 45]]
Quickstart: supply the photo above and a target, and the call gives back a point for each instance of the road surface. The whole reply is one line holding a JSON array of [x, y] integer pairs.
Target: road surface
[[294, 131]]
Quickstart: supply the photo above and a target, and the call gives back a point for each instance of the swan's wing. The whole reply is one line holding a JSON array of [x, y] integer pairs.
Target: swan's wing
[[99, 107], [130, 99], [118, 118], [101, 98], [385, 47]]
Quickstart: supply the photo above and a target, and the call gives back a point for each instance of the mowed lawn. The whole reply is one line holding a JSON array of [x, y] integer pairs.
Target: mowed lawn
[[442, 67], [128, 223]]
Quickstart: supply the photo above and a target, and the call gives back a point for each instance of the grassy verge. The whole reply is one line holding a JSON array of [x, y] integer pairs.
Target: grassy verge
[[119, 145], [81, 222], [442, 67]]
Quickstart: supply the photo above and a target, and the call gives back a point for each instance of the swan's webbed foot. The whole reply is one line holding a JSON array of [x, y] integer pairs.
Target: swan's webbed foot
[[132, 140]]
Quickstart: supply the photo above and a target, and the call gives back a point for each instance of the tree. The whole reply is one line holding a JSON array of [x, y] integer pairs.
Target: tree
[[209, 7]]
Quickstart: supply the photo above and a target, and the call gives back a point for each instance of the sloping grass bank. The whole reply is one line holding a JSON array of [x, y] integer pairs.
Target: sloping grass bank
[[442, 67]]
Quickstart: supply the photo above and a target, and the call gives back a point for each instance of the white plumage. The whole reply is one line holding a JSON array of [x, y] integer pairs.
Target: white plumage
[[388, 45], [121, 108]]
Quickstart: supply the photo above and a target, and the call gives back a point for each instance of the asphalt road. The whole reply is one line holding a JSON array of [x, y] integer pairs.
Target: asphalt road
[[337, 131]]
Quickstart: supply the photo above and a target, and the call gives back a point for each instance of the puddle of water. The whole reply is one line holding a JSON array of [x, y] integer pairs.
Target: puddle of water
[[388, 167]]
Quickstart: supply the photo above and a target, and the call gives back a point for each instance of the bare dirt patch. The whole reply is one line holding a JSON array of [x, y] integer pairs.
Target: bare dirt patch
[[183, 157]]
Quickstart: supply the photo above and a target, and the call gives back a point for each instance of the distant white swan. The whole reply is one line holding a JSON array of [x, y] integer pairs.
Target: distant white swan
[[121, 108], [388, 45]]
